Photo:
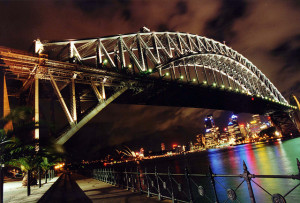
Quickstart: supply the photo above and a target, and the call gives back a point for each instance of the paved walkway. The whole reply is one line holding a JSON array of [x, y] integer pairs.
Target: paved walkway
[[95, 190], [98, 191], [14, 192]]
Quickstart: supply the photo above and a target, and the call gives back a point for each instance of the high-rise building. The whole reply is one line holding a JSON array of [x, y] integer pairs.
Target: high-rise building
[[211, 132], [234, 129], [255, 125]]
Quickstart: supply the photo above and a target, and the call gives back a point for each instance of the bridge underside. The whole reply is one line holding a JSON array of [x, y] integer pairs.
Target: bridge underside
[[188, 95]]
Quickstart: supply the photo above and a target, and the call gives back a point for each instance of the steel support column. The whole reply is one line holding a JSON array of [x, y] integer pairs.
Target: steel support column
[[36, 113], [75, 128], [73, 100], [61, 100]]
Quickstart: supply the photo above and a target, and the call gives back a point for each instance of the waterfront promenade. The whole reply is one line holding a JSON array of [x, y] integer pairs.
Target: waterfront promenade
[[76, 188]]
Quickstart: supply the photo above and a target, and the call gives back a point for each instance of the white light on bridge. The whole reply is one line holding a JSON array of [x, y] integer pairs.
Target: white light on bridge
[[204, 82], [167, 74], [223, 86], [181, 77]]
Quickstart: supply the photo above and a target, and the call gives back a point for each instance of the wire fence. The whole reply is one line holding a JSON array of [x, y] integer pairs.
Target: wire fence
[[188, 187]]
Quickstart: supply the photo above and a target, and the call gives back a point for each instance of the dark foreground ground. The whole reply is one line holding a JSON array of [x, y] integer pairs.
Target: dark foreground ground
[[77, 188]]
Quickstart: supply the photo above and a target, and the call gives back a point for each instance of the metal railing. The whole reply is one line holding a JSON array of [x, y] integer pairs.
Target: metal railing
[[187, 187]]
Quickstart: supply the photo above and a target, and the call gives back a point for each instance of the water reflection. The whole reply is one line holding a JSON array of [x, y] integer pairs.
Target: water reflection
[[263, 158]]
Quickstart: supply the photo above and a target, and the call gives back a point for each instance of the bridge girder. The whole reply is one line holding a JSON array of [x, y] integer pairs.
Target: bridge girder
[[162, 52]]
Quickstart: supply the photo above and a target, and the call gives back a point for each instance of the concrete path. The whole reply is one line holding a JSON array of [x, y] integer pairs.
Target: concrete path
[[14, 192], [98, 191]]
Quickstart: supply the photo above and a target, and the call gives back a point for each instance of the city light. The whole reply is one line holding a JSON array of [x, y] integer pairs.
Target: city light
[[204, 82], [150, 70], [129, 66], [167, 74], [181, 77], [194, 80]]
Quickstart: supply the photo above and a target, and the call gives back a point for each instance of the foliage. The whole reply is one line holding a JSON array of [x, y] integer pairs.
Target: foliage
[[21, 151]]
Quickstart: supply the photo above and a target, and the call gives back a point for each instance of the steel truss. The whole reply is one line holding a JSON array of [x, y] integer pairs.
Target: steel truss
[[177, 56]]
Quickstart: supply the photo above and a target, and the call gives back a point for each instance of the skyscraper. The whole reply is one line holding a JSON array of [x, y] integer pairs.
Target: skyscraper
[[234, 129], [211, 132]]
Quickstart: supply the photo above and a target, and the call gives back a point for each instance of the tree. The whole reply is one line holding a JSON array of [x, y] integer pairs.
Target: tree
[[22, 151]]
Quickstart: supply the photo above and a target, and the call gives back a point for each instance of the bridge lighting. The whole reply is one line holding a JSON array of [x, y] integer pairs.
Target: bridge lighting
[[129, 66], [258, 95], [150, 70], [236, 89], [214, 84], [204, 82], [223, 86], [252, 98], [105, 61], [167, 74], [194, 80], [230, 88], [243, 91], [181, 77]]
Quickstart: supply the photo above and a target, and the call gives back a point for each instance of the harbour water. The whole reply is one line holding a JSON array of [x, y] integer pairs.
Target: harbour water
[[271, 158]]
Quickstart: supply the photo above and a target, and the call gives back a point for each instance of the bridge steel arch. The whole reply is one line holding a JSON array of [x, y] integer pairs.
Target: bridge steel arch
[[172, 55]]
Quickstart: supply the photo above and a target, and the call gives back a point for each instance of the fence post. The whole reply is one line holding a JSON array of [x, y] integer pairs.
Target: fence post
[[28, 182], [172, 190], [110, 177], [148, 186], [114, 177], [139, 180], [247, 177], [213, 183], [46, 176], [157, 181], [188, 183], [126, 176], [40, 176], [132, 181]]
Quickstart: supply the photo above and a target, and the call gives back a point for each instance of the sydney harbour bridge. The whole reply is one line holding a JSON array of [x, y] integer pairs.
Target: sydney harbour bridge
[[150, 68]]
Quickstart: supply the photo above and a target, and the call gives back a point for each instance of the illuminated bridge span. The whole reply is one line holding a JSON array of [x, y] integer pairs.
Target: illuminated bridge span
[[156, 68]]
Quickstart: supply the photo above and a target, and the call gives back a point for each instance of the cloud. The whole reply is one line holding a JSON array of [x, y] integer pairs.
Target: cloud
[[220, 27]]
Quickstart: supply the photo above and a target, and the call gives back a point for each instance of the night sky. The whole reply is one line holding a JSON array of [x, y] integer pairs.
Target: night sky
[[266, 32]]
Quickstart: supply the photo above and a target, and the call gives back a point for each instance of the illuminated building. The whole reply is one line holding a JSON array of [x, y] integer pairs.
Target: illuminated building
[[163, 147], [224, 136], [255, 125], [243, 130], [211, 132], [234, 129]]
